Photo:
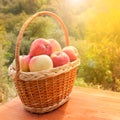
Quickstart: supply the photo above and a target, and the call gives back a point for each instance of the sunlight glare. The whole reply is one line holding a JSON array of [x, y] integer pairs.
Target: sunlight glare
[[75, 2]]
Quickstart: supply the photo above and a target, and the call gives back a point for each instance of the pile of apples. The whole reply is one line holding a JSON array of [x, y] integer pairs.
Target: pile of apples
[[45, 54]]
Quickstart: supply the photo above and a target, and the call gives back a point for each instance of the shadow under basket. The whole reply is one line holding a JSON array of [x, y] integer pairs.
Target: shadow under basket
[[46, 90]]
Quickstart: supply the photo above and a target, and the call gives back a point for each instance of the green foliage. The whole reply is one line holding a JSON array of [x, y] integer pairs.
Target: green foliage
[[16, 7], [5, 91], [100, 66], [98, 63], [12, 22], [41, 27], [12, 26], [80, 82], [103, 36], [9, 55]]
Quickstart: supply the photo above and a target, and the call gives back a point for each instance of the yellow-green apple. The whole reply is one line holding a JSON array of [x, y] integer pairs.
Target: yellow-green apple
[[71, 51], [40, 46], [24, 63], [55, 45], [59, 58], [40, 62]]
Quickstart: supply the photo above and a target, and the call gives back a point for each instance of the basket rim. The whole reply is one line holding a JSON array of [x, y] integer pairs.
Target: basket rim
[[31, 76]]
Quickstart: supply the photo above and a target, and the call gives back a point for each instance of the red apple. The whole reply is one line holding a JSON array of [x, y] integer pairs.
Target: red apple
[[40, 62], [40, 46], [59, 58], [71, 51], [24, 63], [55, 45]]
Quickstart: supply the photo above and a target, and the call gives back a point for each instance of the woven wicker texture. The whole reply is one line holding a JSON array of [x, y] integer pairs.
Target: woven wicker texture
[[46, 90]]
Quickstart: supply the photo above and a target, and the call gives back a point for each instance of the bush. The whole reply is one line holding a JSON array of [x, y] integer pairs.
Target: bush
[[6, 86], [100, 51], [100, 64]]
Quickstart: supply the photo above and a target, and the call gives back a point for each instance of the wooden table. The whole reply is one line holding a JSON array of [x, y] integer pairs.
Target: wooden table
[[85, 104]]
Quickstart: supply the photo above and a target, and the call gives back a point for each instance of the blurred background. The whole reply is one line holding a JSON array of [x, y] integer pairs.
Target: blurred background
[[93, 27]]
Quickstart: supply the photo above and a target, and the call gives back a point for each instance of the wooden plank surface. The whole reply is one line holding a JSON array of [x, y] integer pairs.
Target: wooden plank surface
[[84, 104]]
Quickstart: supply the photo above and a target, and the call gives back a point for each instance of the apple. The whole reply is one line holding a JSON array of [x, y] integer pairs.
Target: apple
[[71, 51], [24, 63], [55, 45], [59, 58], [40, 46], [40, 62]]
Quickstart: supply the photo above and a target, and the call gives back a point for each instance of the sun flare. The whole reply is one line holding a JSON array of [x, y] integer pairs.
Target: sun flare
[[75, 2]]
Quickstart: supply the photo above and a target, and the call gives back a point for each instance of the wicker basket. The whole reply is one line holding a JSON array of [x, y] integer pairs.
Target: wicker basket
[[45, 90]]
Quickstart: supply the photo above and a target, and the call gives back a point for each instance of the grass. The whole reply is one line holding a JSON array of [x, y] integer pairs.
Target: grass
[[80, 82]]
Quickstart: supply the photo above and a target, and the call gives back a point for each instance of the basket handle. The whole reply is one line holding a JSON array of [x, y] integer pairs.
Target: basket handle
[[25, 25]]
